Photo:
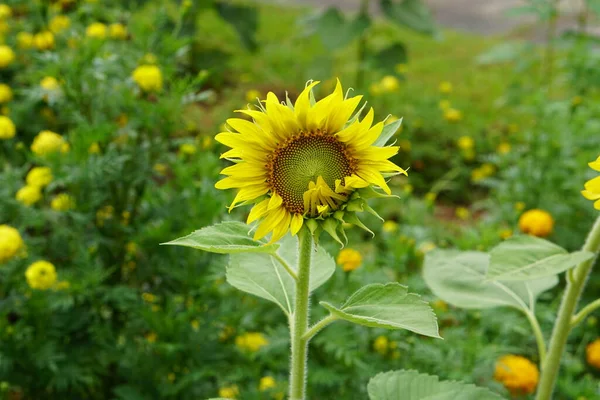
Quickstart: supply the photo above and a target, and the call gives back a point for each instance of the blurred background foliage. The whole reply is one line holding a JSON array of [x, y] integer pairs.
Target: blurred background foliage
[[137, 89]]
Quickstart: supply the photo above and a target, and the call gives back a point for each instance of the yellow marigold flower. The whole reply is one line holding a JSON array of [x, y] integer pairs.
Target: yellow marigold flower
[[229, 392], [520, 206], [24, 40], [390, 84], [6, 93], [592, 353], [49, 83], [103, 214], [462, 213], [47, 142], [390, 226], [59, 23], [7, 56], [44, 40], [149, 58], [11, 243], [266, 383], [381, 345], [151, 337], [488, 169], [39, 176], [148, 78], [430, 197], [7, 128], [440, 305], [445, 87], [41, 275], [444, 105], [195, 324], [251, 341], [96, 30], [517, 374], [188, 149], [63, 202], [118, 31], [94, 148], [465, 143], [452, 115], [160, 168], [148, 297], [29, 195], [375, 89], [503, 148], [207, 142], [536, 222], [349, 259], [592, 187], [506, 233], [252, 95], [5, 11], [308, 161]]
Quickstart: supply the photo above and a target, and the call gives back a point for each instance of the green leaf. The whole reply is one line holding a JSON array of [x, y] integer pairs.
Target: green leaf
[[225, 238], [412, 385], [523, 258], [502, 53], [412, 14], [262, 276], [387, 132], [244, 20], [459, 279], [322, 264], [388, 306], [335, 32], [388, 58]]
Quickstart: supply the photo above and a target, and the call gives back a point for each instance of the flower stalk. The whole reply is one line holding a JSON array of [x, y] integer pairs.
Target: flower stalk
[[563, 324], [299, 320]]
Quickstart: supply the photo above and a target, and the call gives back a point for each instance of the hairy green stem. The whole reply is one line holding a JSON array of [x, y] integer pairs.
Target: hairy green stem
[[539, 336], [299, 320], [585, 311], [562, 326], [316, 328]]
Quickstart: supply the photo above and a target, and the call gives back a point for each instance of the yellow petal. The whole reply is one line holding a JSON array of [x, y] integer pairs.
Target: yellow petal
[[338, 118], [281, 228], [302, 105], [257, 211], [296, 224], [275, 201], [270, 222], [595, 165], [374, 177], [249, 193], [245, 170], [232, 182], [590, 195], [593, 185]]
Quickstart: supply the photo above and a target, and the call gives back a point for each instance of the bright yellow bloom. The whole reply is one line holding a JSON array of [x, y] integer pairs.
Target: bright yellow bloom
[[430, 197], [381, 345], [503, 148], [251, 341], [41, 275], [445, 87], [7, 56], [24, 40], [5, 11], [148, 78], [148, 297], [29, 195], [520, 206], [452, 115], [96, 30], [47, 142], [536, 222], [11, 243], [39, 176], [390, 84], [6, 93], [465, 143], [188, 149], [266, 383], [103, 214], [118, 31], [59, 23], [444, 105], [305, 161], [7, 128], [462, 213], [229, 392], [94, 148], [252, 95], [44, 40], [517, 374], [63, 202], [592, 354], [390, 226], [592, 187], [349, 259], [49, 83]]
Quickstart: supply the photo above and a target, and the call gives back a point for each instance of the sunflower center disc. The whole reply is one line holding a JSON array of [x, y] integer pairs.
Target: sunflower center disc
[[302, 160]]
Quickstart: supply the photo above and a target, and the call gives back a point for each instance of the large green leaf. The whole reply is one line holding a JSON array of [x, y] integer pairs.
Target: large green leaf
[[244, 20], [263, 276], [413, 14], [459, 279], [388, 58], [322, 264], [412, 385], [388, 306], [335, 31], [523, 258], [225, 238]]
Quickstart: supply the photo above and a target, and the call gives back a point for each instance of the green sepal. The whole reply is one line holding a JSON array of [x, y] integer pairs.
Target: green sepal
[[330, 226], [373, 212], [351, 218], [355, 206], [339, 215]]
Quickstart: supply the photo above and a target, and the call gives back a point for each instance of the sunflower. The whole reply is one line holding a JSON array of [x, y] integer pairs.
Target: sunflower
[[310, 162], [592, 187]]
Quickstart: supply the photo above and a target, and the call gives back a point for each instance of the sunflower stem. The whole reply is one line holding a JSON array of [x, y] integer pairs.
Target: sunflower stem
[[562, 326], [299, 320]]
